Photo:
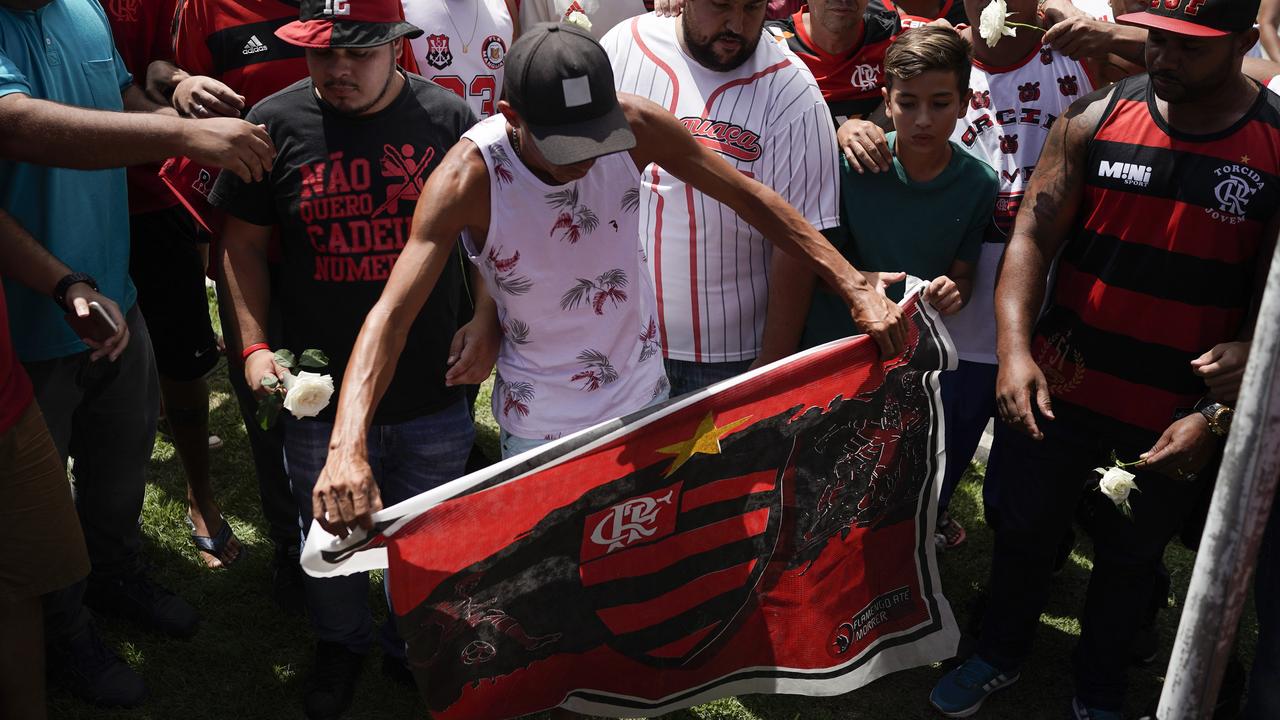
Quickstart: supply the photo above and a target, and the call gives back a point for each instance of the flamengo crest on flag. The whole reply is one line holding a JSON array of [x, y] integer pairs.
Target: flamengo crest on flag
[[772, 533]]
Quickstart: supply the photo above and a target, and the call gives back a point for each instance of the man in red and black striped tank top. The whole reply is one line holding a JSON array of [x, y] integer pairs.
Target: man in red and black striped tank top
[[1163, 193]]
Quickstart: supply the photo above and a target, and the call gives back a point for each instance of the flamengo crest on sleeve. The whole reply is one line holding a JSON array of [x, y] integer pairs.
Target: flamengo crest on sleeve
[[770, 534]]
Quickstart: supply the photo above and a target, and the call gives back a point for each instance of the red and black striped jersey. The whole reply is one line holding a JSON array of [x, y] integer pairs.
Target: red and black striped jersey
[[850, 82], [1161, 264], [236, 43], [951, 10]]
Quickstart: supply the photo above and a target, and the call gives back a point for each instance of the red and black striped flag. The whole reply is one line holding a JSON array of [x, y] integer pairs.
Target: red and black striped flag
[[773, 533]]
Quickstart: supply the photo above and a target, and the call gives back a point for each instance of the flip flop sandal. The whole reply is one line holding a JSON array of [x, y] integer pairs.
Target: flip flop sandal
[[950, 534], [216, 545], [164, 432]]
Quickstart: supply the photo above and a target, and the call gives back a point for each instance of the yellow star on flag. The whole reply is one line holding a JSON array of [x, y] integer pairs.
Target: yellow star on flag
[[705, 440]]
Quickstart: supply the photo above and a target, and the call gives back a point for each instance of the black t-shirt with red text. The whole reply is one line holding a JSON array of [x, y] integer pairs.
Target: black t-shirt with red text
[[343, 191]]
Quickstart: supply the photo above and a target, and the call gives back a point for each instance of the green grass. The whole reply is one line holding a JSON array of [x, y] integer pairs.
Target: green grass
[[249, 658]]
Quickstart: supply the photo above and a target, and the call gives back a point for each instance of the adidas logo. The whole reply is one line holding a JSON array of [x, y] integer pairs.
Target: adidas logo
[[253, 46]]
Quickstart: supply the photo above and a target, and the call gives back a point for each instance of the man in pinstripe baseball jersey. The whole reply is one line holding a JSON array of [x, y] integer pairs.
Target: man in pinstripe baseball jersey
[[760, 109]]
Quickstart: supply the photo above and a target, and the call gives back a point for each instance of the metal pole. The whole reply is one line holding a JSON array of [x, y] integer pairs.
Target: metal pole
[[1233, 531]]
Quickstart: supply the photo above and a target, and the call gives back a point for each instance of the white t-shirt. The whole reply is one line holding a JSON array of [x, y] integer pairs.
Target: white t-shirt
[[767, 118], [1006, 124], [603, 14], [463, 47], [580, 333]]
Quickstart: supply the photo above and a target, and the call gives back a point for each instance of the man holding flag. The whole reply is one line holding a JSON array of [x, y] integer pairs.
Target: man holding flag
[[561, 134]]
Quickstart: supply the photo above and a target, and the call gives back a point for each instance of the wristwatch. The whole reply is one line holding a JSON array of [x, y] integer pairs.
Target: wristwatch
[[1218, 415], [60, 290]]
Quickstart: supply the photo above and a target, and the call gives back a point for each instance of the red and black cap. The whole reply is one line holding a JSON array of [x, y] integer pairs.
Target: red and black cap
[[560, 81], [1197, 18], [347, 24]]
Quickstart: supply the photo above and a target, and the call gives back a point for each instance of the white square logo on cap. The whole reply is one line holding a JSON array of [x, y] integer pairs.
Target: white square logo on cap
[[577, 91]]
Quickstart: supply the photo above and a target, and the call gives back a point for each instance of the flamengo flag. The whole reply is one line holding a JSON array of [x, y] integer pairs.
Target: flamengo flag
[[770, 534]]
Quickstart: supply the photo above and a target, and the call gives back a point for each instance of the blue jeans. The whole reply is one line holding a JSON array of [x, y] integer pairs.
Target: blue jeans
[[687, 376], [968, 402], [407, 459], [1046, 480], [512, 445]]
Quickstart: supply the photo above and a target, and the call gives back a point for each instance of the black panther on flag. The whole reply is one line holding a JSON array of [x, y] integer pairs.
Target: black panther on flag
[[772, 533]]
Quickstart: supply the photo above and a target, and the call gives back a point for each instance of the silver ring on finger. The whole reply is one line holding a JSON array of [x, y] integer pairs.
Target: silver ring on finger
[[198, 109]]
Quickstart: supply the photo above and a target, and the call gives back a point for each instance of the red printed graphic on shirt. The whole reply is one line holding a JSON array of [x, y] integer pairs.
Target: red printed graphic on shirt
[[728, 138], [505, 277], [516, 396], [573, 8], [575, 219], [649, 344], [607, 287], [355, 221], [124, 10], [399, 163], [597, 371], [438, 54]]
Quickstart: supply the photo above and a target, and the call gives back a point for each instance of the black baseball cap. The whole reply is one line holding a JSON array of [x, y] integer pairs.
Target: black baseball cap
[[347, 24], [1198, 18], [560, 81]]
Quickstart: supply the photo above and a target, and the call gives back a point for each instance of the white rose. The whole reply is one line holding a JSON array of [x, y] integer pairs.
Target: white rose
[[1116, 483], [991, 24], [579, 19], [307, 393]]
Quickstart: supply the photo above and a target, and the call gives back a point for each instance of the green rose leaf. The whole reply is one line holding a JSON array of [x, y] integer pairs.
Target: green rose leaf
[[285, 359], [314, 359], [268, 411], [270, 381]]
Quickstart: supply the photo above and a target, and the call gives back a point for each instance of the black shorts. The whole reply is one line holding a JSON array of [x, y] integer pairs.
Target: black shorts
[[169, 274]]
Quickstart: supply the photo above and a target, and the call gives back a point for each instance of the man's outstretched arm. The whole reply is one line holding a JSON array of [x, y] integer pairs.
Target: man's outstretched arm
[[1045, 218], [663, 140], [455, 198], [50, 133]]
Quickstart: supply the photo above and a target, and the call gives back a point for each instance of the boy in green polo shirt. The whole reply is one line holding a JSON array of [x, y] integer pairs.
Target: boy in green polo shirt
[[925, 217]]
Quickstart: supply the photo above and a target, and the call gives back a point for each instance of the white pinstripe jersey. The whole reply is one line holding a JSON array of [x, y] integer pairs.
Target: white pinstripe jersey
[[768, 119], [463, 47]]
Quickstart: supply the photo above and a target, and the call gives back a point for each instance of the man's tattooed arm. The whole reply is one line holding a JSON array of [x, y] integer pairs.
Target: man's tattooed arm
[[1044, 220]]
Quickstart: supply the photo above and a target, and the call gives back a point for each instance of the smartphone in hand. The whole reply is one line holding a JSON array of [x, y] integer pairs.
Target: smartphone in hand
[[98, 326]]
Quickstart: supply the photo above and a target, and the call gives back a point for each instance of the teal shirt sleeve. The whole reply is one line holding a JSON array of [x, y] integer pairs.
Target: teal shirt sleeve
[[12, 79], [123, 76], [987, 186]]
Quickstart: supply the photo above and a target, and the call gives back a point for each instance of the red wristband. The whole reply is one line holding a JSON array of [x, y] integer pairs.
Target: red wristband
[[253, 349]]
